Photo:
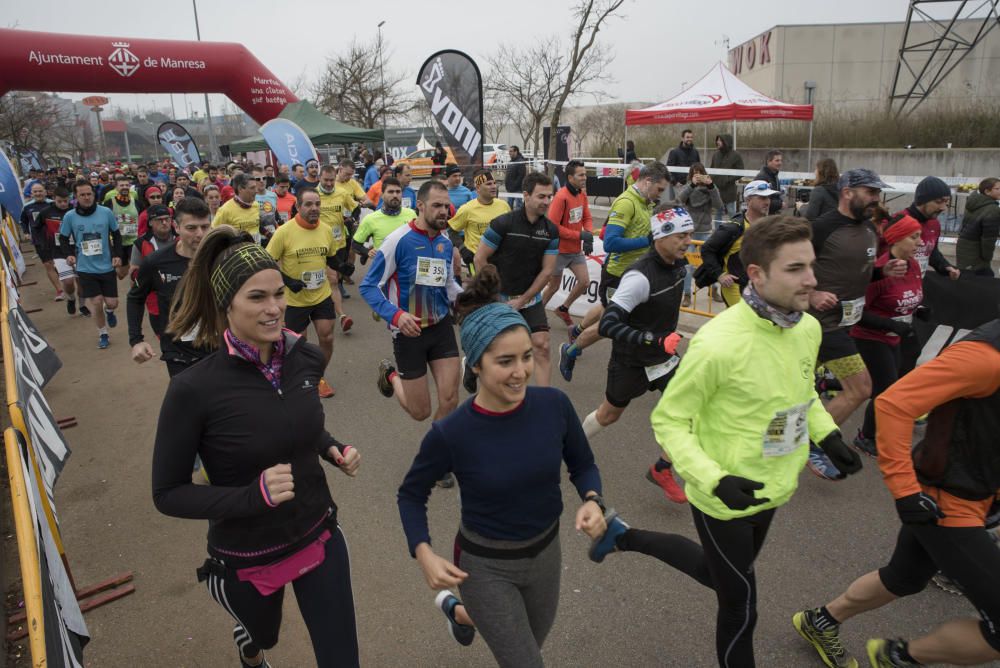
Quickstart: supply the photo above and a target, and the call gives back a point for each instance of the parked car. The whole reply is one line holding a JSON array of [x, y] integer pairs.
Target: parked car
[[495, 154], [420, 161]]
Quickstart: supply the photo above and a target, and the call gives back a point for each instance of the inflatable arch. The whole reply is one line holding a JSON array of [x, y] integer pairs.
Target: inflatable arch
[[45, 61]]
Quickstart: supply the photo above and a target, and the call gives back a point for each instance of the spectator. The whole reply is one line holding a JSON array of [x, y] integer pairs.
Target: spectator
[[825, 195], [515, 175], [439, 158], [977, 239], [700, 196], [725, 157], [630, 155], [373, 173], [683, 155], [769, 173]]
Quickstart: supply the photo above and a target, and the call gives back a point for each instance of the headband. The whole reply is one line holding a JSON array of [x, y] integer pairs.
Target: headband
[[236, 268], [901, 229], [480, 179], [486, 323]]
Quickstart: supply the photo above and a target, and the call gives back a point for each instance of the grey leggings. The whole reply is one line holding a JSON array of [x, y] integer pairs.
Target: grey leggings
[[513, 602]]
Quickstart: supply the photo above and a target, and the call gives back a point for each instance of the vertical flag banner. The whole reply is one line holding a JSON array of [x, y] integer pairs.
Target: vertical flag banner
[[10, 188], [451, 83], [288, 141], [179, 145]]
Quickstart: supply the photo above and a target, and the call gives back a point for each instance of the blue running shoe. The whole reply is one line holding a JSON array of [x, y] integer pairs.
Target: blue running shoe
[[104, 341], [566, 362], [608, 543], [446, 602], [112, 318], [821, 465]]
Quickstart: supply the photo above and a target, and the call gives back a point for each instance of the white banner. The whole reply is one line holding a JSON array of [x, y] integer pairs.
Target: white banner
[[568, 281]]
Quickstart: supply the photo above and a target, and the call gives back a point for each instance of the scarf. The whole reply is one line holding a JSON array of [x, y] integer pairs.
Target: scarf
[[320, 188], [239, 202], [768, 312], [249, 352], [86, 211], [391, 212]]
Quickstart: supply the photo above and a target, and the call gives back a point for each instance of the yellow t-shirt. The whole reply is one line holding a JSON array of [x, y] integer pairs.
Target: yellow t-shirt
[[301, 253], [244, 219], [345, 197], [474, 217]]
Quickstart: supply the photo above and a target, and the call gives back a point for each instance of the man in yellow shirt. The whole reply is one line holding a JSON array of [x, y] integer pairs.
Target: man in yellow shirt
[[303, 249], [475, 216], [339, 195], [242, 211]]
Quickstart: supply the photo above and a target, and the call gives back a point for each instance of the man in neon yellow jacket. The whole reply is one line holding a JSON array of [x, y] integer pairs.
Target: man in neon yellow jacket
[[736, 420]]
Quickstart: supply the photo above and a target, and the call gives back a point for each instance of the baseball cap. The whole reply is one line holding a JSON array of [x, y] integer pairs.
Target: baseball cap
[[861, 178], [671, 221], [157, 211], [452, 169], [759, 188]]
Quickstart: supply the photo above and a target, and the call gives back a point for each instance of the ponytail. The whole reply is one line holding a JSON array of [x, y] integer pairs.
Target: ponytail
[[483, 289]]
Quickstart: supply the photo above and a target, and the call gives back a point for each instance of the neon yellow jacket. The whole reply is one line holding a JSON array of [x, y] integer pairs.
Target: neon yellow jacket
[[713, 420]]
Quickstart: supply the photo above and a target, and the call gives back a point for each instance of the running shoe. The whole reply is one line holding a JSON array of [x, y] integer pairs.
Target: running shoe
[[385, 369], [112, 318], [821, 465], [343, 290], [865, 445], [566, 362], [665, 480], [447, 482], [717, 295], [375, 316], [84, 311], [573, 332], [71, 306], [563, 314], [346, 322], [686, 300], [469, 378], [608, 543], [104, 341], [60, 296], [827, 643], [446, 602], [324, 389], [884, 653]]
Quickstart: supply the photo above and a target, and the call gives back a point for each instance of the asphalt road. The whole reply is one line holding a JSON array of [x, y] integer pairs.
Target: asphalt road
[[629, 611]]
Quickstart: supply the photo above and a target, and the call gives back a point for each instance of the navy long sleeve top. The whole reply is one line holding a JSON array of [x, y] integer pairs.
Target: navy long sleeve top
[[508, 467]]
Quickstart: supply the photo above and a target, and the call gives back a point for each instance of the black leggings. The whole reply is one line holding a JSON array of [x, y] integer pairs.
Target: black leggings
[[967, 555], [883, 363], [723, 562], [325, 601]]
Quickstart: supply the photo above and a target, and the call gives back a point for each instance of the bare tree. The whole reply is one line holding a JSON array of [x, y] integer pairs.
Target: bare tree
[[497, 114], [32, 120], [587, 59], [351, 87], [527, 81], [602, 125]]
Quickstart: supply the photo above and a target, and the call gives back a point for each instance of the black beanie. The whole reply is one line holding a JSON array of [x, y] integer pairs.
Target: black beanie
[[931, 188]]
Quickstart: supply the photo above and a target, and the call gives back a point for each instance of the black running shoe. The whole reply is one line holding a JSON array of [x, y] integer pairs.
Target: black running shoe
[[385, 369], [446, 602], [84, 311], [71, 306]]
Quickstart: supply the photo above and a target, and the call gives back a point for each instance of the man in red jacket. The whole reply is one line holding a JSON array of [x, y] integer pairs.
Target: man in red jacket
[[570, 211]]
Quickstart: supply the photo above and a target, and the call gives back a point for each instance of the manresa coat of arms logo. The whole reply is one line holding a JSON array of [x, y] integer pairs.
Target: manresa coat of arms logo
[[123, 61]]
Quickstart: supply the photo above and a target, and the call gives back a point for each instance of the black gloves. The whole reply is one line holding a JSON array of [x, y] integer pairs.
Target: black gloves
[[588, 247], [844, 458], [293, 284], [467, 255], [346, 269], [363, 257], [737, 492], [901, 329], [918, 509], [586, 236]]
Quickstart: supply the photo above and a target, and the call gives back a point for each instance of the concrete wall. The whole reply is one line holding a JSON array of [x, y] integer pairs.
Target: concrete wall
[[973, 164], [853, 65]]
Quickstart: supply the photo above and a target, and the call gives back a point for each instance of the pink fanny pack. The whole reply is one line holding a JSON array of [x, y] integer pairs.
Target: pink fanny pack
[[272, 577]]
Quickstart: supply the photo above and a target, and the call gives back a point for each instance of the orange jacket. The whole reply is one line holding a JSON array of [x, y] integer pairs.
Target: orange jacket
[[570, 213], [965, 369]]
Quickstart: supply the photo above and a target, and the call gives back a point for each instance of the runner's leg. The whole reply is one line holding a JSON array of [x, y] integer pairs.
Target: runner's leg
[[582, 283], [446, 373], [53, 275], [856, 388], [324, 335], [540, 352], [882, 362], [258, 618]]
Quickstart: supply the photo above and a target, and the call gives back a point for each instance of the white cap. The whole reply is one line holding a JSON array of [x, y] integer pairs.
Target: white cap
[[671, 221], [759, 188]]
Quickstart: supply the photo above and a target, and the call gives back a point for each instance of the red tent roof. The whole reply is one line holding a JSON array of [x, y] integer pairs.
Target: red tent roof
[[718, 96]]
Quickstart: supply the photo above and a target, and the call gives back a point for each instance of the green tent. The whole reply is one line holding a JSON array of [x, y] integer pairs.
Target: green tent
[[321, 129]]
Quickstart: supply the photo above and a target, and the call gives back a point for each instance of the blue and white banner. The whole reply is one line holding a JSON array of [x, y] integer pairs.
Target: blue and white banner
[[288, 141], [179, 145], [10, 188]]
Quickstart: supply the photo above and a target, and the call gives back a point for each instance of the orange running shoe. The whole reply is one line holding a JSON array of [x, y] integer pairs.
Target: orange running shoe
[[665, 479], [325, 391]]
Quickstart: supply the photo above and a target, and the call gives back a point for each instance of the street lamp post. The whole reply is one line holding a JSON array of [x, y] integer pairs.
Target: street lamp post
[[208, 109], [381, 75]]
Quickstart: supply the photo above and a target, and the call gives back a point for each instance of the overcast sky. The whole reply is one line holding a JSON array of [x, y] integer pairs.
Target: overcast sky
[[658, 44]]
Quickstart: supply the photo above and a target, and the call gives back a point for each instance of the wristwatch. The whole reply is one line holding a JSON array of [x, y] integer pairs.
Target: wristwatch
[[599, 500], [648, 338]]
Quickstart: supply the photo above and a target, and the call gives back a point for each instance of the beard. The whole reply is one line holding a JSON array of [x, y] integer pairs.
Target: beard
[[859, 209]]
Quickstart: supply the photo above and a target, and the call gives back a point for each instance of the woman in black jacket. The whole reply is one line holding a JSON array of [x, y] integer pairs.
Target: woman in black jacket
[[251, 411], [825, 195]]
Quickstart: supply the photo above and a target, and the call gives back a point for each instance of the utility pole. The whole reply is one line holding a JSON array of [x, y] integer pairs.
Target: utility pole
[[213, 149]]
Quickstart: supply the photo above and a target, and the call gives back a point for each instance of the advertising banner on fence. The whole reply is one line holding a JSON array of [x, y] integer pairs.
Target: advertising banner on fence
[[568, 281], [10, 188], [179, 145], [453, 87], [288, 141]]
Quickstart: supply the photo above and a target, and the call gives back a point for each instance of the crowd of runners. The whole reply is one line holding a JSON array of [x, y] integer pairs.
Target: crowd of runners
[[233, 265]]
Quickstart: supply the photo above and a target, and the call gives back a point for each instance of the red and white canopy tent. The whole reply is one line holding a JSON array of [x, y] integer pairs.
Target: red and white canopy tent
[[720, 96]]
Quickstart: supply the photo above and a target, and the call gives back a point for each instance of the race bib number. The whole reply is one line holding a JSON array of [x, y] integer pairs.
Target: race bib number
[[660, 370], [92, 247], [576, 214], [129, 229], [284, 216], [852, 309], [788, 431], [431, 272], [407, 203], [313, 279], [338, 232]]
